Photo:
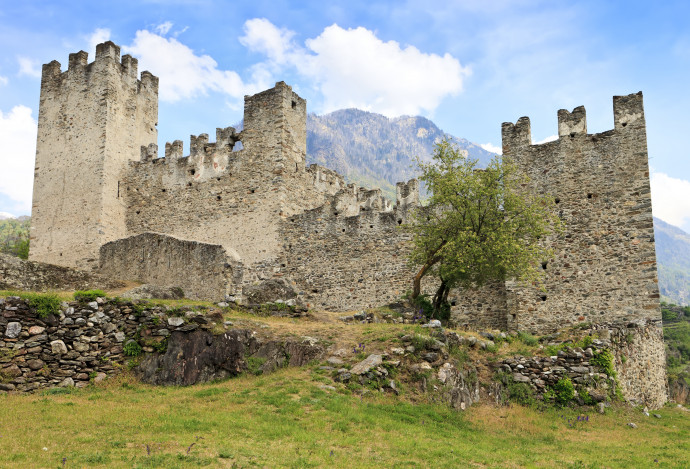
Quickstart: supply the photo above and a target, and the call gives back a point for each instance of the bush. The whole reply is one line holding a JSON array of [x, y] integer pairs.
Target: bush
[[88, 295], [527, 339], [132, 349], [604, 360], [44, 303], [564, 391], [520, 393]]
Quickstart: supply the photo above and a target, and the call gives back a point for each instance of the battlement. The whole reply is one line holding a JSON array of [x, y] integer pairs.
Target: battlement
[[107, 57], [628, 115]]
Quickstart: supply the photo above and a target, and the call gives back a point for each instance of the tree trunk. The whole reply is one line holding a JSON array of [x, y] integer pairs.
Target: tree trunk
[[441, 295]]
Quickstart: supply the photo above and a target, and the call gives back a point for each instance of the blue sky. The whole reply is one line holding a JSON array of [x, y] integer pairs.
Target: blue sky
[[467, 65]]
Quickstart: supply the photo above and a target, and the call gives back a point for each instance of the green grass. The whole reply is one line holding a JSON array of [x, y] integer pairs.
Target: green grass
[[286, 420]]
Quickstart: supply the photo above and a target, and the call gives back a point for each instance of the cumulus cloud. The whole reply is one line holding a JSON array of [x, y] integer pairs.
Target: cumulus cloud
[[184, 74], [671, 199], [29, 67], [3, 80], [99, 36], [18, 141], [354, 68], [491, 148]]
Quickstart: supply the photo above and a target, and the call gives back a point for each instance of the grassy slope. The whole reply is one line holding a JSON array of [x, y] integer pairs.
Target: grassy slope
[[286, 420]]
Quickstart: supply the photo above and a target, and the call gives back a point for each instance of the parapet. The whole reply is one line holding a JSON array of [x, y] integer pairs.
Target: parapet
[[107, 55], [628, 113]]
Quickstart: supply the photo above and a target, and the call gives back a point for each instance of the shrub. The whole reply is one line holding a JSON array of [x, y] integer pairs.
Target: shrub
[[520, 393], [564, 391], [88, 295], [132, 349], [44, 303], [527, 339], [604, 360]]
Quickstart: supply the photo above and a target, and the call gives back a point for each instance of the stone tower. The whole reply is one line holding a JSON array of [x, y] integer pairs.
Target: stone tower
[[604, 264], [93, 119]]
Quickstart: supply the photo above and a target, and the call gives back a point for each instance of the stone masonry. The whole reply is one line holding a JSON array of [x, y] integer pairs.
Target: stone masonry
[[229, 218]]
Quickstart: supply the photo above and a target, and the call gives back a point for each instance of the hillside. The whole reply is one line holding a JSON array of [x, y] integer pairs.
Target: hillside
[[14, 236], [673, 259]]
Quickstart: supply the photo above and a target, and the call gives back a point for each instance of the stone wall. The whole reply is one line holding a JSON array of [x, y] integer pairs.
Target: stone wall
[[19, 274], [93, 119], [203, 271], [639, 364], [604, 265]]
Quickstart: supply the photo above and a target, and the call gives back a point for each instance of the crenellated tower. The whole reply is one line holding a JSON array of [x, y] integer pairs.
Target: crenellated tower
[[604, 264], [93, 119]]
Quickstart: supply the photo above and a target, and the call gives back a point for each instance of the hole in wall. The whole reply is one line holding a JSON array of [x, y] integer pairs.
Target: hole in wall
[[282, 265], [624, 124], [572, 134], [453, 303], [371, 226], [251, 191], [138, 212], [557, 200], [189, 184], [343, 230], [217, 197], [314, 291], [543, 298], [217, 179], [192, 172], [294, 104], [589, 196], [543, 265], [335, 213], [162, 190], [399, 222]]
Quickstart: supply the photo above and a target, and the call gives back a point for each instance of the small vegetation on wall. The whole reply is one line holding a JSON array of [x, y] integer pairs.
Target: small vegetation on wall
[[88, 295]]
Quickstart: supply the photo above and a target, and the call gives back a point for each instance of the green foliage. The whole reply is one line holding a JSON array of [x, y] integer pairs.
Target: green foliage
[[527, 339], [14, 237], [604, 360], [44, 303], [479, 226], [254, 365], [88, 295], [564, 391], [132, 349], [519, 393]]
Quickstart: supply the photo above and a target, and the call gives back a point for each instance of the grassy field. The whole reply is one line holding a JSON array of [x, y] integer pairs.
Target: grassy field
[[288, 420]]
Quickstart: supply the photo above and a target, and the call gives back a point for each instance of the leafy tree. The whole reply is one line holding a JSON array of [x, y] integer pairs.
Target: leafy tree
[[479, 225]]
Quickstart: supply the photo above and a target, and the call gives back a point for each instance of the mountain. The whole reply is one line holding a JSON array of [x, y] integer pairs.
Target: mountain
[[6, 216], [673, 261], [373, 150]]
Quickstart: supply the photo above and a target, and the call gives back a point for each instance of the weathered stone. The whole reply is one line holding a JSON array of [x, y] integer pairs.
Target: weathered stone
[[367, 364], [35, 364], [36, 330], [13, 329], [175, 321], [58, 347], [66, 383]]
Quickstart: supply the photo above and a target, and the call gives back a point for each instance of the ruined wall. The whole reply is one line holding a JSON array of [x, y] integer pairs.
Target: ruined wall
[[92, 120], [221, 196], [203, 271], [23, 275], [604, 268]]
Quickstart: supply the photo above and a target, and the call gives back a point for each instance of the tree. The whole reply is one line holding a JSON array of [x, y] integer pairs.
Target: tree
[[479, 225]]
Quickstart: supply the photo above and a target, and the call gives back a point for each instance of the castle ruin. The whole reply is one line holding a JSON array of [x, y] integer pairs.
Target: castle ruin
[[224, 221]]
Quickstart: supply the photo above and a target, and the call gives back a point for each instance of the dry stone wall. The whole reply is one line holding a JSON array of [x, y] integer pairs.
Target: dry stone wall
[[638, 361]]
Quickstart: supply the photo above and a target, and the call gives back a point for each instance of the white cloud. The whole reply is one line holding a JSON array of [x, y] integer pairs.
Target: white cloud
[[99, 36], [18, 141], [182, 73], [354, 68], [3, 80], [29, 67], [164, 28], [550, 138], [491, 148], [671, 199]]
